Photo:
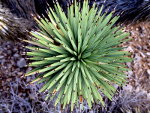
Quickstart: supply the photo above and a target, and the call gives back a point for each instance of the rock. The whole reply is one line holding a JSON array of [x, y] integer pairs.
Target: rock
[[16, 55], [148, 71], [9, 52], [128, 88], [28, 79], [1, 51], [32, 96], [1, 57], [21, 63], [3, 61], [148, 53], [20, 73]]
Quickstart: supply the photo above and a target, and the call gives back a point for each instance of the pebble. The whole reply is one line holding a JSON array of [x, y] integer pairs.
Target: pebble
[[9, 52], [32, 96], [1, 57], [148, 71], [16, 55], [20, 73], [28, 79], [21, 63], [3, 61], [148, 53]]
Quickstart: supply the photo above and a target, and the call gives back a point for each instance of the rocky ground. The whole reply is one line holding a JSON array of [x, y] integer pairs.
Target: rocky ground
[[139, 76], [139, 46], [18, 96]]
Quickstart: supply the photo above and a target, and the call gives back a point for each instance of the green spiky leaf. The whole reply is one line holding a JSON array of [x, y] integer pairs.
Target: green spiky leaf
[[77, 55]]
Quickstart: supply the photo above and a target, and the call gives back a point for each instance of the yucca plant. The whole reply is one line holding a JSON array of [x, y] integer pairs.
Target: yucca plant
[[77, 55]]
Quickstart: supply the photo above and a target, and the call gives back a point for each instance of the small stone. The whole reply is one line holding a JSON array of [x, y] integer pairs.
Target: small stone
[[3, 61], [128, 88], [9, 52], [21, 63], [15, 49], [16, 55], [1, 57], [9, 79], [1, 51], [148, 71], [28, 79], [148, 53], [20, 73], [32, 96]]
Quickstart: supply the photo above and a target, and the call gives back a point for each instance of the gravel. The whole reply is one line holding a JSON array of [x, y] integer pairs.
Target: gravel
[[17, 95], [139, 47]]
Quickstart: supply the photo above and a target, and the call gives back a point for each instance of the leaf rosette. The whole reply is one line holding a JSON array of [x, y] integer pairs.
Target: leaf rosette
[[77, 55]]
